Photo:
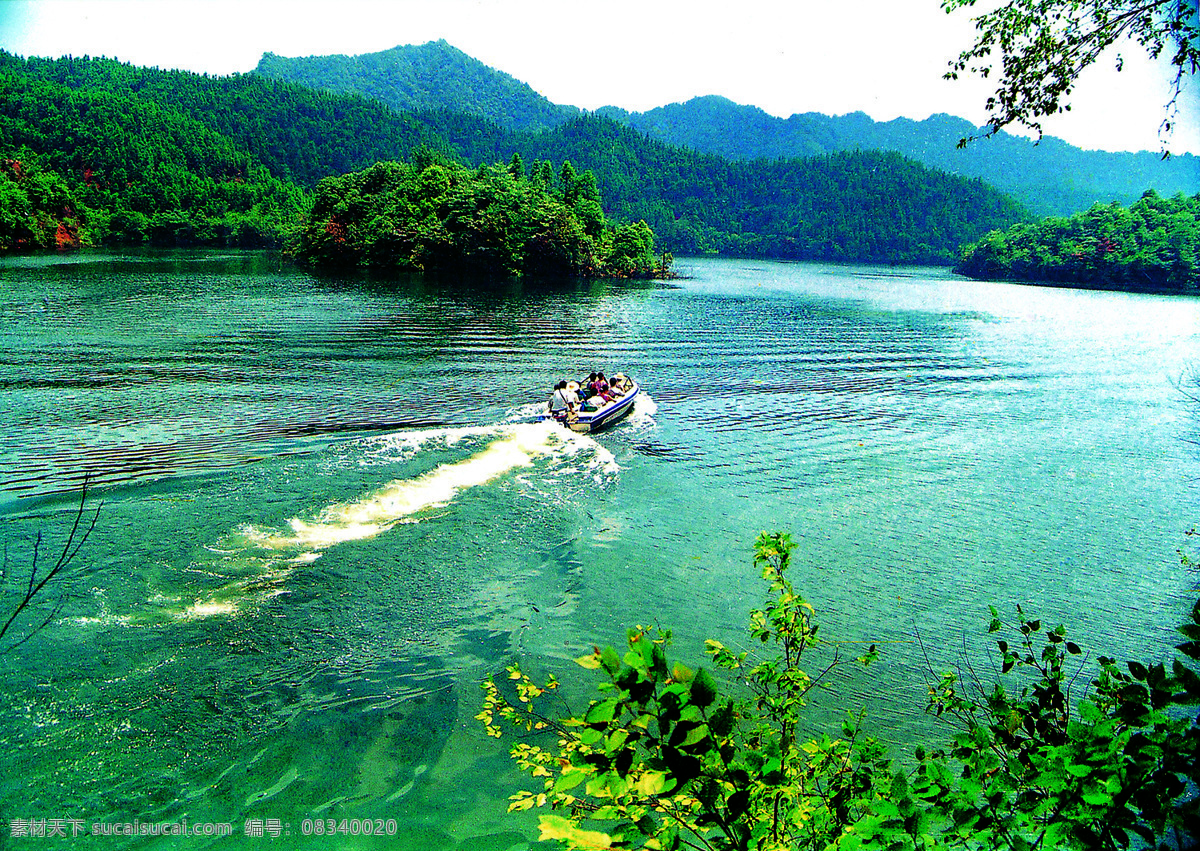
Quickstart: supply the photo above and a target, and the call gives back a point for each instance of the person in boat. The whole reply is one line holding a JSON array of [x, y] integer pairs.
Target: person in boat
[[562, 401], [588, 383], [619, 386], [600, 388]]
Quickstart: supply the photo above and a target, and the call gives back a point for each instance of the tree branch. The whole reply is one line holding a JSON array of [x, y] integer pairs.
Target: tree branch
[[71, 548]]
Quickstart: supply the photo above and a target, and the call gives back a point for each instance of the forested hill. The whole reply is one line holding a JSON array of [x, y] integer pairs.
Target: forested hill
[[1049, 178], [427, 76], [80, 166], [1152, 246], [298, 133], [179, 157], [864, 205]]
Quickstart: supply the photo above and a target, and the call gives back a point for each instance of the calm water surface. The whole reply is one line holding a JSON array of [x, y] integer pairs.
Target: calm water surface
[[325, 515]]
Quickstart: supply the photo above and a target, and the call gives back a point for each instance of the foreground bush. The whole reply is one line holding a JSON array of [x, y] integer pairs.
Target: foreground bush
[[671, 758]]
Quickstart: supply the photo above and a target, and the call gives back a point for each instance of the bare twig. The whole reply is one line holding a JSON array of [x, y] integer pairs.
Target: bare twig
[[72, 546]]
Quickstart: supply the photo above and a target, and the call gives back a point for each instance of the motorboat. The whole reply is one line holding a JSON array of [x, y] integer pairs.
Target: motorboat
[[588, 417]]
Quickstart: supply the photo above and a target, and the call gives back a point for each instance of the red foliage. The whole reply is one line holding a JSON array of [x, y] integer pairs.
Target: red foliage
[[66, 238], [336, 229], [16, 168]]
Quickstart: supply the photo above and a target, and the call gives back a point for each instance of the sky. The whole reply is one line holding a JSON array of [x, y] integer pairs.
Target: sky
[[882, 57]]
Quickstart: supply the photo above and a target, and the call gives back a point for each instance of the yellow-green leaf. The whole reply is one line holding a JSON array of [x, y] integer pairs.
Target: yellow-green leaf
[[653, 783], [557, 827], [570, 779]]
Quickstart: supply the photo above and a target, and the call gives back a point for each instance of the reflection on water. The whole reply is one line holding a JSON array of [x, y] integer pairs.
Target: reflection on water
[[328, 512]]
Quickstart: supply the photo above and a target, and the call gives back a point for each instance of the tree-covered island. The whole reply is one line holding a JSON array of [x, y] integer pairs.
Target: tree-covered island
[[1151, 246], [434, 215]]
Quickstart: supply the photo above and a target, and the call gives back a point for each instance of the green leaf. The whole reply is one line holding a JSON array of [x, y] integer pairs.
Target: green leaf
[[1191, 631], [601, 713], [570, 779], [737, 804], [695, 735], [659, 659], [721, 722], [704, 688], [610, 661], [654, 783]]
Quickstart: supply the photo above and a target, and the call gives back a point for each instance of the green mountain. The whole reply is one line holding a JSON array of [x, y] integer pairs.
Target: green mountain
[[180, 158], [300, 134], [1050, 177], [84, 165], [850, 205], [427, 76]]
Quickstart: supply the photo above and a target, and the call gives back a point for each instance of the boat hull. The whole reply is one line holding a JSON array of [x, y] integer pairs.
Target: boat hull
[[593, 421]]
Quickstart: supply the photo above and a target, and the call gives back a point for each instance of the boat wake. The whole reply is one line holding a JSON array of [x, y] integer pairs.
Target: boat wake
[[644, 409], [514, 447], [263, 557]]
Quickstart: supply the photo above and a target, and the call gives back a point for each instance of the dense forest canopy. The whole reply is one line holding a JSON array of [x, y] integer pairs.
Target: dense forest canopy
[[859, 205], [128, 170], [434, 215], [299, 134], [1154, 245], [1050, 178], [177, 158]]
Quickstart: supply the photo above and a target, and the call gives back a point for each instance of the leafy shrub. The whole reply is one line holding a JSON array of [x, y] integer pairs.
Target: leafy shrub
[[671, 758]]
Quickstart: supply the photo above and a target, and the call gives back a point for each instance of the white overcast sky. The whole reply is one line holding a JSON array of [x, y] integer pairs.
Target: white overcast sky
[[883, 57]]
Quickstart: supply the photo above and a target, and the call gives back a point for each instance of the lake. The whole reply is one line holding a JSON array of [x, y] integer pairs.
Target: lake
[[325, 513]]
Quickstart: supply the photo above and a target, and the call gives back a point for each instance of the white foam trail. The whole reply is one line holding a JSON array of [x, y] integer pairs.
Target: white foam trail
[[515, 447], [525, 413]]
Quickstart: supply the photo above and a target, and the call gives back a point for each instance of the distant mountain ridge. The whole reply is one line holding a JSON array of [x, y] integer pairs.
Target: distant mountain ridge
[[427, 76], [1050, 178]]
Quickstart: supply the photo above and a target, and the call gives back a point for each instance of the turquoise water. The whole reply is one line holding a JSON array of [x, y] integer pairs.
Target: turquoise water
[[324, 515]]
